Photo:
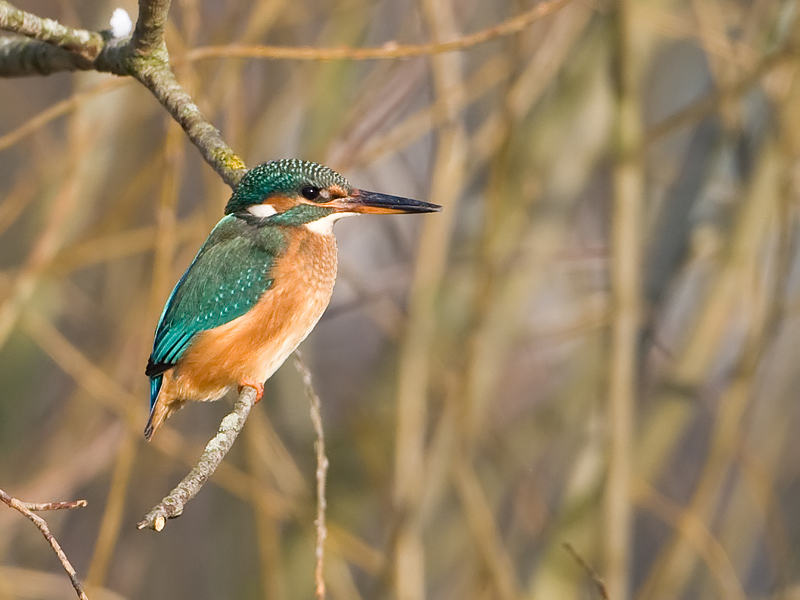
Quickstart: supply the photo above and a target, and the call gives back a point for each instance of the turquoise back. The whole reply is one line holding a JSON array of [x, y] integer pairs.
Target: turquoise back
[[225, 280]]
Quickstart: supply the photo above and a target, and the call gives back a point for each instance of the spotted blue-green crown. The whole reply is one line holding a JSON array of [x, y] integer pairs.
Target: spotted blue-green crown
[[287, 176]]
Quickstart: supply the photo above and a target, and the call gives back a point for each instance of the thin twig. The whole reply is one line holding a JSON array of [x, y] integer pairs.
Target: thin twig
[[596, 579], [322, 474], [172, 504], [38, 507], [27, 508]]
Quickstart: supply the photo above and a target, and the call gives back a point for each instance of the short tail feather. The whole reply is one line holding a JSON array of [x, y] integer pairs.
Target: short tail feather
[[152, 422]]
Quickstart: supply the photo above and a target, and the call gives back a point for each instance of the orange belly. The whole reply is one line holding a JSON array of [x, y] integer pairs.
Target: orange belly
[[252, 347]]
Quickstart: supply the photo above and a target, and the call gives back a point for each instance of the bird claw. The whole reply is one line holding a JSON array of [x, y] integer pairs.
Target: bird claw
[[257, 386]]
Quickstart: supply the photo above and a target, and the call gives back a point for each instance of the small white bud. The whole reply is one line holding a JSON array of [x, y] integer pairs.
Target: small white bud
[[121, 24]]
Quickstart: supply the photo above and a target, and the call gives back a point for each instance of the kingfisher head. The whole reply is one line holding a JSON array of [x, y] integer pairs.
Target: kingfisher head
[[297, 192]]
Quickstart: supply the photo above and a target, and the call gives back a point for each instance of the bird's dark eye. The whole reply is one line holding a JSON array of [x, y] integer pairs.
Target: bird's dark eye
[[310, 192]]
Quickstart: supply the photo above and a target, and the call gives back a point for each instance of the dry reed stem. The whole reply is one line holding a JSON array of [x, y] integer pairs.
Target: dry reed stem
[[626, 292], [416, 358], [27, 509], [420, 123], [675, 562], [19, 582], [166, 220], [60, 475], [12, 206]]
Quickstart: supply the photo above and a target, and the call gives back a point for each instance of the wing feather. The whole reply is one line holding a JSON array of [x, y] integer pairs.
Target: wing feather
[[226, 279]]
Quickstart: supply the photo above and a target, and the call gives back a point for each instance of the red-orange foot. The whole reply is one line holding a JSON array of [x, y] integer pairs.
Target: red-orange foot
[[256, 385]]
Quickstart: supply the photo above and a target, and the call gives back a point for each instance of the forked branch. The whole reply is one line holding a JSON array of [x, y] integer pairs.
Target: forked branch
[[27, 508]]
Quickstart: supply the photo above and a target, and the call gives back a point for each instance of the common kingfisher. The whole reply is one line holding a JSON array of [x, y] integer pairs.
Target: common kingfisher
[[258, 285]]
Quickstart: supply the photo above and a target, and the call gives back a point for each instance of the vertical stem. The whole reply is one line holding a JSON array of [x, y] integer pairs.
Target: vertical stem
[[322, 475], [626, 298]]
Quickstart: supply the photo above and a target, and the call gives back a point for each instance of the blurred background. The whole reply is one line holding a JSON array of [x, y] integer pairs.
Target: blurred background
[[599, 332]]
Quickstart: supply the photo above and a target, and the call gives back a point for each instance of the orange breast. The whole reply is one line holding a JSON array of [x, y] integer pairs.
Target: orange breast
[[253, 346]]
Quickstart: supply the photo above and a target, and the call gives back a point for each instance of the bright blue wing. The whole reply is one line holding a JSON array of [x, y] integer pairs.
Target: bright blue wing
[[225, 280]]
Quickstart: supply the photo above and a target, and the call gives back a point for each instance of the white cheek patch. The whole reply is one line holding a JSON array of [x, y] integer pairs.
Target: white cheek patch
[[324, 226], [262, 210]]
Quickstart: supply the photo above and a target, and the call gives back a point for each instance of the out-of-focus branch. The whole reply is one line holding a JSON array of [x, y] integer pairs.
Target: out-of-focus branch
[[27, 508], [230, 428], [596, 579], [626, 298], [389, 50], [322, 474]]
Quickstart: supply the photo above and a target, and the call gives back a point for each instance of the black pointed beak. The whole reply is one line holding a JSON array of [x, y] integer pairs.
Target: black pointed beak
[[366, 202]]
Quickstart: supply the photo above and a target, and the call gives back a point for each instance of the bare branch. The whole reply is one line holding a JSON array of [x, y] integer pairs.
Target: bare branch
[[148, 36], [26, 509], [20, 57], [86, 44], [172, 504], [322, 473], [160, 80]]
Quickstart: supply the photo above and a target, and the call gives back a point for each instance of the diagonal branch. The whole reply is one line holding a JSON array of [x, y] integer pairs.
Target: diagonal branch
[[143, 56], [230, 428], [27, 508], [159, 78]]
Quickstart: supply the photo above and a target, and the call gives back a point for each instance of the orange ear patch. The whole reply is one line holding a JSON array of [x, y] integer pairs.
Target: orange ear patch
[[282, 203], [338, 191]]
